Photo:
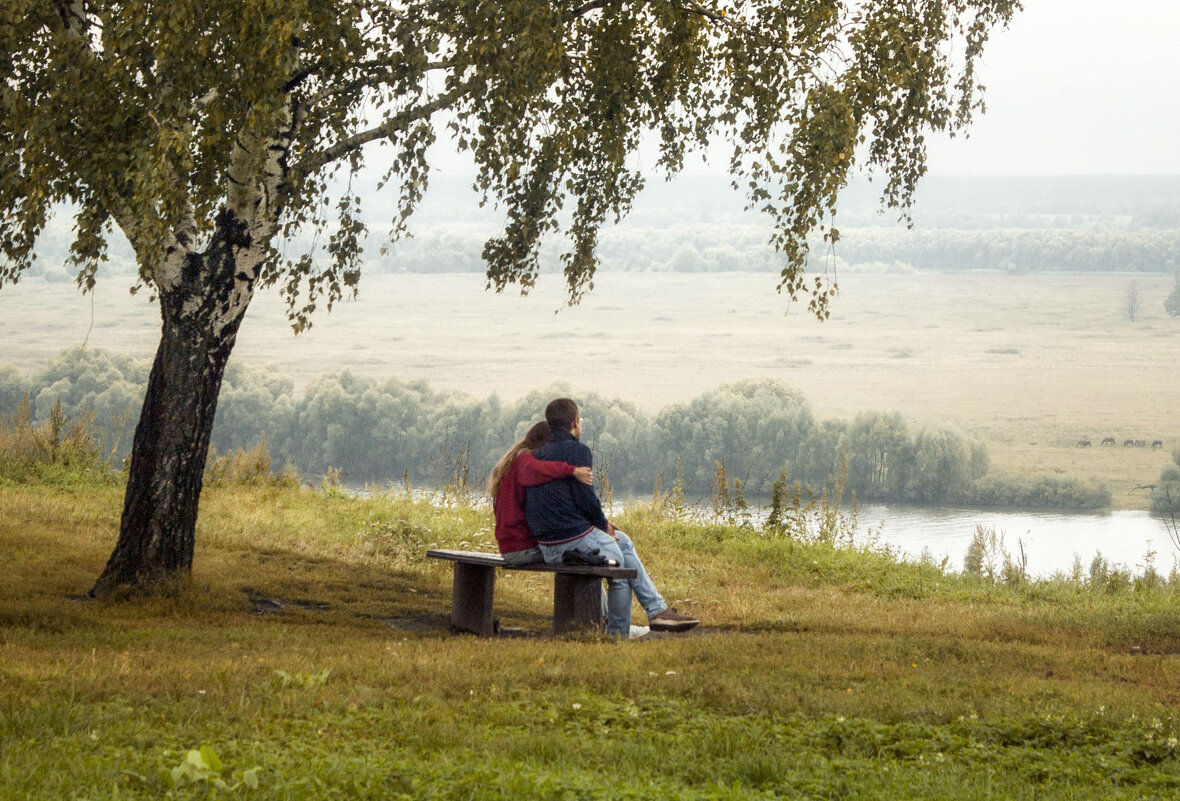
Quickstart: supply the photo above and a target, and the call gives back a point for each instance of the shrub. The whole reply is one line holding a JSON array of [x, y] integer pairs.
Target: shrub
[[1165, 498], [13, 388], [986, 556], [248, 467], [1040, 491], [1172, 304], [90, 381], [55, 449]]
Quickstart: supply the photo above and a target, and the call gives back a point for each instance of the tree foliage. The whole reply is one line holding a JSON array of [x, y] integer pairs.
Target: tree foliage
[[211, 132], [158, 117]]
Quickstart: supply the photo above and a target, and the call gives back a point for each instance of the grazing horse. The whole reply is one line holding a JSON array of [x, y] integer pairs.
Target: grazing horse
[[1128, 443], [1108, 441], [1158, 443], [1083, 443]]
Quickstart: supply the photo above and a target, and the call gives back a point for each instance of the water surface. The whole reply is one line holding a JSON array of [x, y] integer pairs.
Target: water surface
[[1050, 540]]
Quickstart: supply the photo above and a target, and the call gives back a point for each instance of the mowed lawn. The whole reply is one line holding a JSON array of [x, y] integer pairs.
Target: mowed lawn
[[311, 658], [1031, 364]]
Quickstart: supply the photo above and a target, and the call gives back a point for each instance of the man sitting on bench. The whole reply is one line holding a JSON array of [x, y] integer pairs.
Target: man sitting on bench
[[565, 515]]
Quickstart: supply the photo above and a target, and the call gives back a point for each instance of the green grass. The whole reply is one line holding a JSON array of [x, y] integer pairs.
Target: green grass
[[819, 672]]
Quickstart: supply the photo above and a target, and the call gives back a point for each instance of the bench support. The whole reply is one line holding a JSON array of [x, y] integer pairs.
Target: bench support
[[577, 602], [471, 599]]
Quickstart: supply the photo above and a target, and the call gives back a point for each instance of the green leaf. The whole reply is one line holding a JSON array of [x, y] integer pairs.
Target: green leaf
[[209, 758]]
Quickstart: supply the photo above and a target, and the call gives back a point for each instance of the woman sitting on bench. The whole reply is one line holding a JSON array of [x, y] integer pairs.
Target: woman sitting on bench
[[516, 470]]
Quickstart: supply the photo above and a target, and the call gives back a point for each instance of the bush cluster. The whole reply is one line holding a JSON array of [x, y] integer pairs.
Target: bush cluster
[[394, 430], [54, 450], [1040, 491], [1172, 303], [1165, 498]]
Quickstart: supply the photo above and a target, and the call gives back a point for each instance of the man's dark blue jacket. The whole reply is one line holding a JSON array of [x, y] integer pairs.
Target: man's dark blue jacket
[[564, 509]]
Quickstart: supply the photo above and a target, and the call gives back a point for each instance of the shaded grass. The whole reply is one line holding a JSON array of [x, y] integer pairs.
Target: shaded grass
[[819, 673]]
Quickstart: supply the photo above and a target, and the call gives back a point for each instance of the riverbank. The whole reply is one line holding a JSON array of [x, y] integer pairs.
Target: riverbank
[[310, 654]]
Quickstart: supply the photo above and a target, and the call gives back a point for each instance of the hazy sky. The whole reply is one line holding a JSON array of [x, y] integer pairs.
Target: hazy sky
[[1077, 86]]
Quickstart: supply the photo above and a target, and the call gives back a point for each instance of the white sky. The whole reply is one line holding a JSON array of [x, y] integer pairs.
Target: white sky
[[1077, 87]]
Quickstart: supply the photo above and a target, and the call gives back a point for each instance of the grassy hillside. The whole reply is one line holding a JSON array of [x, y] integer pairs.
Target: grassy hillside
[[310, 656]]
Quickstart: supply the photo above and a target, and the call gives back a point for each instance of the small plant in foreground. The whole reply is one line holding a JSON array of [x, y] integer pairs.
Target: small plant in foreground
[[788, 512], [452, 469], [672, 505], [201, 767], [332, 482], [987, 558], [308, 681], [986, 554]]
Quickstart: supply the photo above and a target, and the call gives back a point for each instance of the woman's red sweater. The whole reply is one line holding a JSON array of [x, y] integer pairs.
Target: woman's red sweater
[[512, 532]]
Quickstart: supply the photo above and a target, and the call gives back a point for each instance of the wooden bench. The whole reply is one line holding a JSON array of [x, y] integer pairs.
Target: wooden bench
[[577, 591]]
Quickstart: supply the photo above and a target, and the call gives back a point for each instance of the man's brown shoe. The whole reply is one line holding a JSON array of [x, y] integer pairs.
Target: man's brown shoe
[[671, 620]]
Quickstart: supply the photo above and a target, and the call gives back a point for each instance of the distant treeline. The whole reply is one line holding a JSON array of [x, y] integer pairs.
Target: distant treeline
[[744, 248], [725, 248], [385, 431], [673, 245]]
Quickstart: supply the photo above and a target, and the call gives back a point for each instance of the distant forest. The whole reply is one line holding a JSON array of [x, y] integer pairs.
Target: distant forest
[[750, 432], [697, 224]]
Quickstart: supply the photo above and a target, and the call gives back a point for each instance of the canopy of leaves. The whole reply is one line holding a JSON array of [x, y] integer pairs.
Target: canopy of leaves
[[157, 116]]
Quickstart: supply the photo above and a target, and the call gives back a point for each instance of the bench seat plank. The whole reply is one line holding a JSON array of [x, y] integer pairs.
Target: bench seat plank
[[495, 560]]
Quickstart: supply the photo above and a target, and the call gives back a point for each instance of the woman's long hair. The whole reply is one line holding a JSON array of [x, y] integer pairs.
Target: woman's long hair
[[537, 436]]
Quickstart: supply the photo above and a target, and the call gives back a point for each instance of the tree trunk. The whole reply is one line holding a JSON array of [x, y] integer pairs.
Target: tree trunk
[[201, 315]]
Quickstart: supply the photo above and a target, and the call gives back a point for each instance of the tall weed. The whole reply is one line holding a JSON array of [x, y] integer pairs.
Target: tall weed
[[55, 451], [249, 468]]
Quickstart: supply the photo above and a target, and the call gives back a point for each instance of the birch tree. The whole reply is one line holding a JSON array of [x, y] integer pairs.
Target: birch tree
[[212, 134]]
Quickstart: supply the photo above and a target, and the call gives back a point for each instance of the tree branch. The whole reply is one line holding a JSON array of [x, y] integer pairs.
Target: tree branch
[[392, 125], [202, 102], [586, 8], [73, 19], [340, 88]]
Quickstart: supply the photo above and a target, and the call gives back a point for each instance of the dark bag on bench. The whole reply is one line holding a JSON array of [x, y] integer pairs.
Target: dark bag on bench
[[595, 558]]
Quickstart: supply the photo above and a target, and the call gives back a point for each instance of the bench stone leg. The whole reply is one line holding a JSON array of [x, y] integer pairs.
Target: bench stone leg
[[577, 602], [471, 599]]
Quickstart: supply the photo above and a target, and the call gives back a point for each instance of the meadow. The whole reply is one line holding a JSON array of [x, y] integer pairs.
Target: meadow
[[309, 657], [1029, 363]]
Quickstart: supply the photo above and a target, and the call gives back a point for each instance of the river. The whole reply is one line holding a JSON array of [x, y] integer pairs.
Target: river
[[1051, 541]]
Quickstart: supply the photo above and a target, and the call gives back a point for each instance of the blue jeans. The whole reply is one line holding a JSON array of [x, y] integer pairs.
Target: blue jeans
[[618, 594]]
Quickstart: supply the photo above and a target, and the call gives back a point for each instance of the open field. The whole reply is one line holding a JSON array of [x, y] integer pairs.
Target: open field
[[1029, 363], [818, 672]]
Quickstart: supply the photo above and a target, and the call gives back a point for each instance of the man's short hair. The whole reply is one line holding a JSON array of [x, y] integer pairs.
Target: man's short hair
[[561, 413]]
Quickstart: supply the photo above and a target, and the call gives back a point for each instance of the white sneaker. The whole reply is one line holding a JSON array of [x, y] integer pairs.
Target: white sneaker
[[638, 632]]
